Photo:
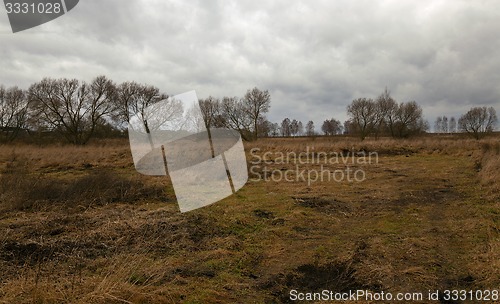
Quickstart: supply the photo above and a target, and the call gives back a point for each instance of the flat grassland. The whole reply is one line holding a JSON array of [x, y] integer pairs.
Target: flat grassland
[[79, 225]]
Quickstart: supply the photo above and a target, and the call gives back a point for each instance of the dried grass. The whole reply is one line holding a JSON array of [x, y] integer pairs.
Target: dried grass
[[72, 177], [129, 247]]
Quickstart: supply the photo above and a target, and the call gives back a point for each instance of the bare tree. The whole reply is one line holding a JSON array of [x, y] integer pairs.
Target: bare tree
[[256, 103], [363, 115], [72, 108], [409, 119], [348, 127], [294, 127], [478, 121], [444, 126], [101, 102], [233, 114], [285, 127], [193, 120], [266, 128], [210, 110], [452, 125], [138, 99], [386, 112], [325, 127], [274, 129], [127, 95], [438, 125], [331, 127], [14, 112], [310, 128]]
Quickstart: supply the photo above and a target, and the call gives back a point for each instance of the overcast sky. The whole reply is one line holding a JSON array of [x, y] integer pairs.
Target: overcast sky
[[314, 57]]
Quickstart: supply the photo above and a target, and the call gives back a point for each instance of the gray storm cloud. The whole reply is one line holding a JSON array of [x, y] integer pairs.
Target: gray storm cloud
[[314, 57]]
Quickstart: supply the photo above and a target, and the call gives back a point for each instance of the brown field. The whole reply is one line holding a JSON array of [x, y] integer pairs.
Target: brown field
[[81, 226]]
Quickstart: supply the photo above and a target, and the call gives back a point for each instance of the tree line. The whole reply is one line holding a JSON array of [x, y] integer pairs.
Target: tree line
[[382, 116], [478, 121], [77, 111]]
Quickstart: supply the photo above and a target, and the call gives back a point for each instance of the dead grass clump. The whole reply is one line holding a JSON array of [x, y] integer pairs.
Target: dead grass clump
[[28, 253], [490, 166], [32, 253], [193, 232], [452, 145], [324, 205], [21, 190], [260, 213], [57, 158], [489, 174], [334, 276]]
